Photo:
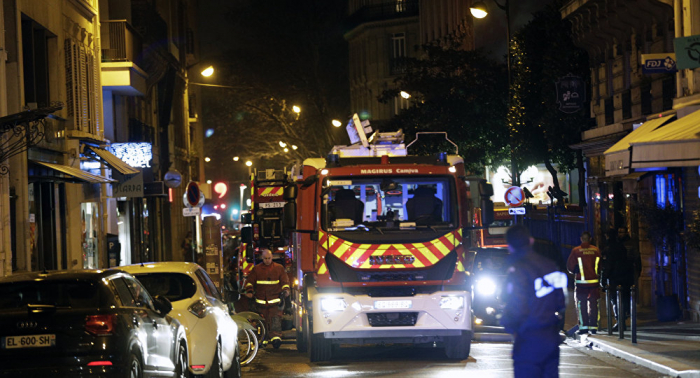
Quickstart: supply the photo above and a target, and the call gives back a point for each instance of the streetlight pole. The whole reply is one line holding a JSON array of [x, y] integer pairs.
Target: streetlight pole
[[479, 10]]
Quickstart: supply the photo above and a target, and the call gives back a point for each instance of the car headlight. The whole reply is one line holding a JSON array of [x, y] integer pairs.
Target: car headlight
[[486, 286], [451, 303], [333, 304]]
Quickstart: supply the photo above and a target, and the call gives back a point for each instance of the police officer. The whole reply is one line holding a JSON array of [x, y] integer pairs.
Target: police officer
[[267, 281], [535, 300]]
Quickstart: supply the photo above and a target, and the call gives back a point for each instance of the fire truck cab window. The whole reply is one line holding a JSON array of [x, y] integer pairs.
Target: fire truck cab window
[[361, 205]]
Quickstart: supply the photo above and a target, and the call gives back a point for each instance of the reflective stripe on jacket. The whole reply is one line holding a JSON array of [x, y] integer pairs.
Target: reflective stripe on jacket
[[584, 262], [267, 282]]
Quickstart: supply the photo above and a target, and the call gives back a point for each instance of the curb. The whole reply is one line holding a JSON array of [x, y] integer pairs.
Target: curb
[[632, 354]]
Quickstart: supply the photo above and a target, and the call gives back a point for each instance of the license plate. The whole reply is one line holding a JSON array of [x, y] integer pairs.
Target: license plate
[[384, 305], [31, 341], [271, 205]]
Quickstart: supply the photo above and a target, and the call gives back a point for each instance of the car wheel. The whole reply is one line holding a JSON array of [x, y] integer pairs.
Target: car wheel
[[181, 369], [217, 367], [235, 370], [457, 347], [135, 366], [320, 348]]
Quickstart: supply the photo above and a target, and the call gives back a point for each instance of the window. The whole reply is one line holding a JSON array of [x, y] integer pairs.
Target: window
[[398, 53], [209, 286], [400, 104], [123, 292], [82, 87], [665, 190], [35, 64], [359, 204], [141, 296]]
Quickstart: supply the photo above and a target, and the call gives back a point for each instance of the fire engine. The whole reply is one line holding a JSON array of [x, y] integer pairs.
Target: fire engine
[[264, 223], [379, 246]]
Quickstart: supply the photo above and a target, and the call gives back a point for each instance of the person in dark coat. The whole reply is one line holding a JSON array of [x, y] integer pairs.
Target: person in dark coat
[[618, 270], [534, 295]]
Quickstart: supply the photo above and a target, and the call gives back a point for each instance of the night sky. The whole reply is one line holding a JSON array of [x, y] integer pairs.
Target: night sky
[[490, 32]]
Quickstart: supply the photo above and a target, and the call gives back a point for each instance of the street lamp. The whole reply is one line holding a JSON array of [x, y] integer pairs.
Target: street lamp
[[235, 158], [207, 72], [207, 159], [336, 123], [405, 95], [479, 10], [296, 109]]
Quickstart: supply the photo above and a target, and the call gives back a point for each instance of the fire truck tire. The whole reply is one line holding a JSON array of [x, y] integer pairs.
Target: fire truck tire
[[457, 347], [320, 348], [302, 335]]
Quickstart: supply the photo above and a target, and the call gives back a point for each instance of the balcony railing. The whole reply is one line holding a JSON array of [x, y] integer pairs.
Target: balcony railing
[[120, 42], [383, 11]]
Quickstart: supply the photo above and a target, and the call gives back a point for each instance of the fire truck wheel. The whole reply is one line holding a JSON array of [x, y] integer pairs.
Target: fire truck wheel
[[320, 348], [457, 347], [302, 338]]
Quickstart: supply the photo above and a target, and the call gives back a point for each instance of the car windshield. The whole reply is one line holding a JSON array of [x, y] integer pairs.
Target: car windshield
[[174, 286], [378, 204], [73, 293], [491, 261]]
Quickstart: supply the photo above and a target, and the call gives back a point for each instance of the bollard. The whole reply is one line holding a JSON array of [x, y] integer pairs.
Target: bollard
[[620, 313], [608, 309], [633, 313]]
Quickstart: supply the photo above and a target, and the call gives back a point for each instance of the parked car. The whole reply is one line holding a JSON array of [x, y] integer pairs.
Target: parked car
[[489, 272], [197, 303], [86, 323]]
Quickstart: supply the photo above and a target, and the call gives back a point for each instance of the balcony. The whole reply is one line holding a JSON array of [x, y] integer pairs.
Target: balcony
[[383, 11], [121, 48]]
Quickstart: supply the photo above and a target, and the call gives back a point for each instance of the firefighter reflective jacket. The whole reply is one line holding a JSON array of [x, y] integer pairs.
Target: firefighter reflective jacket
[[267, 282], [583, 262]]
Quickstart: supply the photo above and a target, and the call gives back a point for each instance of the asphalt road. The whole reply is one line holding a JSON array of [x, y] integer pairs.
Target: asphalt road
[[487, 359]]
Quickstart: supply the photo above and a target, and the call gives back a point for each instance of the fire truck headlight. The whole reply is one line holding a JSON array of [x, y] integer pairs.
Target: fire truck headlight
[[333, 304], [486, 286], [451, 303]]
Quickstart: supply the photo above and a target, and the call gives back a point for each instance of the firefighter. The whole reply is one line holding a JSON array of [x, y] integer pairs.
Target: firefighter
[[583, 262], [269, 282], [535, 299]]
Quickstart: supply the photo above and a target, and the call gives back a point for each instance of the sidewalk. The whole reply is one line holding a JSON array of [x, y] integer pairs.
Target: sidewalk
[[670, 348]]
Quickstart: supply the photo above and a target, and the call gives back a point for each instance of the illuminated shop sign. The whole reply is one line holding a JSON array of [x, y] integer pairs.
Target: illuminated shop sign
[[137, 155]]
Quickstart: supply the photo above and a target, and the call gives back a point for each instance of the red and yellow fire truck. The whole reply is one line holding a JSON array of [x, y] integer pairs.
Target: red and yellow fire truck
[[264, 223], [379, 248]]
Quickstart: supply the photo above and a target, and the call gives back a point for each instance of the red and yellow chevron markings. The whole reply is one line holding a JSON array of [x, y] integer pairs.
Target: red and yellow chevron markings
[[270, 191], [358, 255]]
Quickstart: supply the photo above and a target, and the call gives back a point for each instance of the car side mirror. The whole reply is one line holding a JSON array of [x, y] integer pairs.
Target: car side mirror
[[290, 216], [290, 193], [162, 305]]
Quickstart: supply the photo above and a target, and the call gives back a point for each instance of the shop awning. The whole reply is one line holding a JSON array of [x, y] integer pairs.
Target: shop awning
[[617, 157], [113, 161], [674, 145], [75, 173]]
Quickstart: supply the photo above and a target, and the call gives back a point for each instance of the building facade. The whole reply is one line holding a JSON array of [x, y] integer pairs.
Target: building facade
[[105, 76], [630, 168], [382, 33]]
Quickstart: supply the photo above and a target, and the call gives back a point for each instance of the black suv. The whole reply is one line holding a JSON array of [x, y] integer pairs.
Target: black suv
[[87, 323]]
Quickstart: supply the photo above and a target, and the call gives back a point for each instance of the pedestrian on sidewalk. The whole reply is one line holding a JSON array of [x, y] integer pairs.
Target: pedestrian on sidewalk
[[617, 271], [269, 283], [535, 300], [632, 254], [583, 263]]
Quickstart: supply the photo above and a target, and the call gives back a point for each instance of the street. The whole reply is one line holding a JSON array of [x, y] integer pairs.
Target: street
[[487, 359]]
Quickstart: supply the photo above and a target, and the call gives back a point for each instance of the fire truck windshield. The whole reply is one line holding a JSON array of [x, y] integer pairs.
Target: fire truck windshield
[[389, 203]]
